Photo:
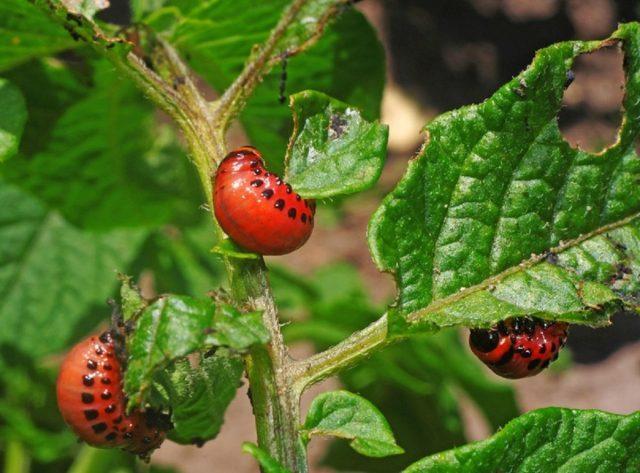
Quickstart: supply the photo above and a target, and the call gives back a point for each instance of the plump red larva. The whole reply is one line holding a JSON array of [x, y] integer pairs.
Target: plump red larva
[[257, 209], [92, 402], [519, 347]]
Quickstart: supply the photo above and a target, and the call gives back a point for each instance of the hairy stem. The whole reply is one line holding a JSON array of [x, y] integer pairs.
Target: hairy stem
[[275, 395], [275, 404], [235, 96], [341, 356]]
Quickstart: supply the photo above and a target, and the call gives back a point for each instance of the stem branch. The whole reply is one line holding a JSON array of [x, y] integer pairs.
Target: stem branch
[[343, 355]]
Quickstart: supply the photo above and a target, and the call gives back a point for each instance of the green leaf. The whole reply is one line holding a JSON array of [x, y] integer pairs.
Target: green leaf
[[13, 116], [131, 300], [49, 88], [26, 33], [175, 326], [170, 328], [87, 8], [108, 164], [347, 62], [52, 274], [199, 396], [237, 330], [552, 439], [141, 8], [181, 260], [495, 184], [81, 27], [346, 415], [267, 463], [333, 149], [45, 446]]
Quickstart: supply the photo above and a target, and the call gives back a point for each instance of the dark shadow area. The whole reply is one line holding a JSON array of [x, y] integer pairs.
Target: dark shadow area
[[593, 345]]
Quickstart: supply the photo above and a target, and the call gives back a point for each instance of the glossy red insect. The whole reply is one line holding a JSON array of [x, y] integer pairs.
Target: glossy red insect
[[92, 402], [519, 347], [257, 209]]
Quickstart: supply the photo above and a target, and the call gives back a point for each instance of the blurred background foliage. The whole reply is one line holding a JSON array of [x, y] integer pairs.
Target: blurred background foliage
[[101, 183]]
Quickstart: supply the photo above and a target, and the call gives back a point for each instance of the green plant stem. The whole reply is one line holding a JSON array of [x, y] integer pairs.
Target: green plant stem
[[275, 395], [16, 458], [85, 460], [357, 346], [275, 403], [235, 96]]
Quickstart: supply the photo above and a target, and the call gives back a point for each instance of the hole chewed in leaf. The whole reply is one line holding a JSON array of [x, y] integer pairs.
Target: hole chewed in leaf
[[591, 108], [469, 230]]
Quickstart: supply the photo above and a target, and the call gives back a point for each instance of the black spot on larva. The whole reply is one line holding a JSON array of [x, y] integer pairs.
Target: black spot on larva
[[253, 163], [267, 193], [267, 174], [484, 340], [99, 351], [99, 428], [257, 171], [517, 326], [306, 203], [128, 435], [298, 198], [105, 380], [533, 364], [526, 353], [91, 414], [87, 398], [87, 380], [117, 420], [279, 204], [110, 408], [502, 328], [107, 366], [303, 217], [111, 436], [529, 326], [292, 213], [544, 364], [543, 348], [506, 358], [92, 365], [553, 347], [278, 181], [106, 394], [257, 183], [288, 189], [104, 337]]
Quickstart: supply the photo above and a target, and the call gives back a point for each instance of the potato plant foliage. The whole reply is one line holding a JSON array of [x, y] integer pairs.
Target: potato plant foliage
[[496, 217]]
